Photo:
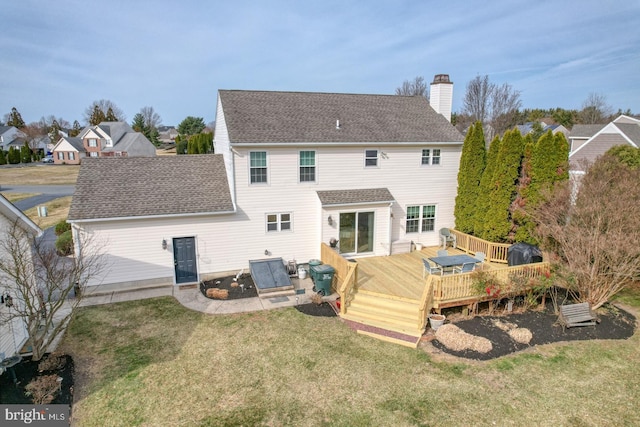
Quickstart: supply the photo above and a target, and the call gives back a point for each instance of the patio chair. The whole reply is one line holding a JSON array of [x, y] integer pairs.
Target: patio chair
[[429, 268], [480, 256], [442, 252], [467, 267], [446, 237]]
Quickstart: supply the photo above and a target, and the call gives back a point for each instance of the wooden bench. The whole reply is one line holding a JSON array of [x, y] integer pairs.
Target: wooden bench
[[577, 315]]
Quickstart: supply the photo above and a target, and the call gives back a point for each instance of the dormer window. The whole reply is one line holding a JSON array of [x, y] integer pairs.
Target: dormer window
[[108, 143]]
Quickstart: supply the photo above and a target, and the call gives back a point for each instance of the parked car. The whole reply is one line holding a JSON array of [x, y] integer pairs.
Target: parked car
[[48, 159]]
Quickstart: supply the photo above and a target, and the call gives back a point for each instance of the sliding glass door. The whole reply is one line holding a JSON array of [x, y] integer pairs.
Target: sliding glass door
[[356, 232]]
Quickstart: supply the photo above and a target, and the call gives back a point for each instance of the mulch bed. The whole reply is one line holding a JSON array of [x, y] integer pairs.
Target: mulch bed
[[614, 324], [27, 370], [321, 310], [235, 291]]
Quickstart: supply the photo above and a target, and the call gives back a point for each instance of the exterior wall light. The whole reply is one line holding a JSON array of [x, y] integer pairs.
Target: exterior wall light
[[164, 244]]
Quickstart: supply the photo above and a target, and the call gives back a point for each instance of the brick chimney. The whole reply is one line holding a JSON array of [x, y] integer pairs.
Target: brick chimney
[[441, 96]]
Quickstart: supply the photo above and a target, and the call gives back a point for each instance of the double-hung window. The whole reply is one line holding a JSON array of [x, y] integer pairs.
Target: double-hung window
[[421, 218], [431, 156], [60, 155], [370, 158], [93, 142], [307, 166], [278, 222], [258, 167], [72, 155]]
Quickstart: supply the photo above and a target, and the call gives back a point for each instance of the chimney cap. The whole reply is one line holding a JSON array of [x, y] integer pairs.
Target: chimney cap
[[441, 78]]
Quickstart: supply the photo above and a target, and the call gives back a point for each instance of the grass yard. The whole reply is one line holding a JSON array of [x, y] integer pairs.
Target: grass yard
[[156, 363], [57, 210], [39, 175]]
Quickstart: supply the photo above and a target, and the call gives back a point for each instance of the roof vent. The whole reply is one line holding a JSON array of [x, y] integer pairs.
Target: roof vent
[[337, 124]]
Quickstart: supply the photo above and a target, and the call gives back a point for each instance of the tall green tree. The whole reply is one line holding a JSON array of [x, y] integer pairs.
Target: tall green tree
[[472, 165], [486, 186], [191, 126], [3, 157], [13, 157], [76, 129], [97, 116], [181, 145], [25, 153], [138, 124], [15, 119], [111, 116], [497, 224]]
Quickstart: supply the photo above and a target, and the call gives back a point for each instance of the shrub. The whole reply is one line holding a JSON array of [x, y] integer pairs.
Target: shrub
[[64, 243], [61, 227], [52, 362], [44, 389]]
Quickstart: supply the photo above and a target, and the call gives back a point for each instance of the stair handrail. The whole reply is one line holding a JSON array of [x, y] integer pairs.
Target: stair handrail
[[426, 303]]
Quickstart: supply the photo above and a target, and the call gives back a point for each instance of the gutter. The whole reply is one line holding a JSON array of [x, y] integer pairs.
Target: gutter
[[164, 216], [341, 144]]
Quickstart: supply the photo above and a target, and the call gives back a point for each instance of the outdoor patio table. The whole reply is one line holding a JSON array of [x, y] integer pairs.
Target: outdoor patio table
[[453, 260]]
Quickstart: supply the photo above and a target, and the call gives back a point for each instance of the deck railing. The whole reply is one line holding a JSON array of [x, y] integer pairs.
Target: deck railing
[[426, 302], [447, 290], [495, 252], [345, 277]]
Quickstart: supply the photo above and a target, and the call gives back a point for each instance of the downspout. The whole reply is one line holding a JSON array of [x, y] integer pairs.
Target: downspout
[[390, 228]]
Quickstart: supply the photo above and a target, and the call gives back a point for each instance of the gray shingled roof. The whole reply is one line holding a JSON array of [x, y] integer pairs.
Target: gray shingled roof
[[585, 131], [356, 196], [75, 142], [263, 117], [150, 186], [632, 131]]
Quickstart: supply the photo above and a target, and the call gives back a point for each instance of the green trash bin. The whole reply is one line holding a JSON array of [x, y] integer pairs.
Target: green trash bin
[[324, 277], [312, 269]]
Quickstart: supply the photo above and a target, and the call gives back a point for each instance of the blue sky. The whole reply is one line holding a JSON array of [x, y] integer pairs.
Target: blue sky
[[57, 57]]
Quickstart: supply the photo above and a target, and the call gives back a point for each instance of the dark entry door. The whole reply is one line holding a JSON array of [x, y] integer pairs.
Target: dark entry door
[[184, 259]]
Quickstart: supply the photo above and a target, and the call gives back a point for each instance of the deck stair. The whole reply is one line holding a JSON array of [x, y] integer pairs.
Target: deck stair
[[390, 318]]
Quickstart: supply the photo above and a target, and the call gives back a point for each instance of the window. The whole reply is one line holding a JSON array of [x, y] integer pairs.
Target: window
[[307, 166], [93, 142], [72, 155], [258, 167], [93, 154], [60, 155], [108, 143], [431, 157], [278, 222], [421, 218], [371, 157]]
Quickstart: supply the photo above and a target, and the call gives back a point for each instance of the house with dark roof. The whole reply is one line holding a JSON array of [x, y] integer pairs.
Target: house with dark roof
[[108, 139], [292, 170], [13, 330], [10, 135], [590, 141]]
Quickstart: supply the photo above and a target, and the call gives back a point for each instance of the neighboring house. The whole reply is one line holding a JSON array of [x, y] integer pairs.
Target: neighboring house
[[10, 135], [294, 169], [167, 134], [590, 141], [553, 127], [108, 139], [13, 331]]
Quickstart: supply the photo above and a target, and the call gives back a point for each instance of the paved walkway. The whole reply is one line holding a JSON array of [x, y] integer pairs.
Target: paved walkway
[[193, 299]]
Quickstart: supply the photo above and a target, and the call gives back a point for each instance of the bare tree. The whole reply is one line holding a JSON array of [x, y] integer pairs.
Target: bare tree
[[595, 110], [43, 283], [495, 106], [103, 105], [152, 120], [415, 87], [596, 233]]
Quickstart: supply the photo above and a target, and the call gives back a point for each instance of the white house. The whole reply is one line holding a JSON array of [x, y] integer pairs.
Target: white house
[[291, 170], [13, 330]]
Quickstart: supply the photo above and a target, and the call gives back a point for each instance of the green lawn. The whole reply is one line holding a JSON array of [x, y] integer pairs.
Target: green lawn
[[156, 363]]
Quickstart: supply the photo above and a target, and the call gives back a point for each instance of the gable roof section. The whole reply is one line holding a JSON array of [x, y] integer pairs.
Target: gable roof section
[[140, 187], [10, 211], [355, 197], [73, 141], [134, 143], [298, 117], [585, 131], [115, 130]]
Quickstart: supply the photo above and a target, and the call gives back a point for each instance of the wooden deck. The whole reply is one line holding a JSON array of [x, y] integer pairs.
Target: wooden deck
[[400, 275]]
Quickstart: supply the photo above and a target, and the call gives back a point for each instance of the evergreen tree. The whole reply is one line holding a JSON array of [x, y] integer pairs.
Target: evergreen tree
[[138, 124], [75, 131], [191, 125], [154, 137], [15, 119], [192, 145], [110, 117], [486, 186], [181, 145], [14, 155], [25, 153], [53, 134], [3, 157], [472, 165], [97, 116], [497, 224]]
